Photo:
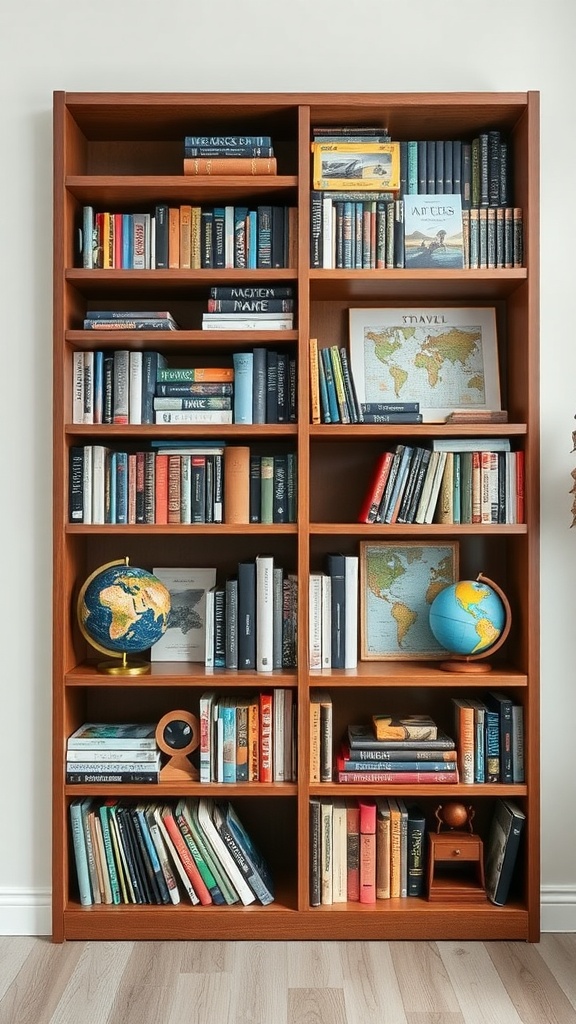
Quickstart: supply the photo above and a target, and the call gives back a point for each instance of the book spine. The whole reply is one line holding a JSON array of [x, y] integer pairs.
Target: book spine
[[352, 852], [238, 165], [264, 613], [367, 854]]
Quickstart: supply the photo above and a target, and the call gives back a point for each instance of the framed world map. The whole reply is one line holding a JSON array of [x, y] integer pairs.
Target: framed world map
[[445, 358], [398, 582]]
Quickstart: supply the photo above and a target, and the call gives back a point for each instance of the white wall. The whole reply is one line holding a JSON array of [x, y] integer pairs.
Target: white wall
[[253, 45]]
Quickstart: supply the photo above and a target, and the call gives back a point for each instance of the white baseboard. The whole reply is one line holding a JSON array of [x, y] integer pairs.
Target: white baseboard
[[25, 911], [558, 908], [28, 911]]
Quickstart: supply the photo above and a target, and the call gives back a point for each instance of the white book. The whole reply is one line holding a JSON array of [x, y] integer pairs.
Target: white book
[[185, 489], [144, 758], [427, 487], [435, 489], [471, 444], [121, 388], [511, 494], [327, 233], [87, 484], [99, 453], [229, 237], [351, 617], [339, 851], [135, 387], [184, 639], [222, 852], [88, 412], [248, 324], [206, 708], [141, 244], [209, 631], [315, 621], [221, 416], [78, 387], [326, 620], [289, 707], [264, 613]]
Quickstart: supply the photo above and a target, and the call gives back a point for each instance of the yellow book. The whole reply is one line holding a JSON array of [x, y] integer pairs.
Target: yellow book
[[314, 382], [356, 165], [174, 237], [185, 222], [195, 243], [339, 384]]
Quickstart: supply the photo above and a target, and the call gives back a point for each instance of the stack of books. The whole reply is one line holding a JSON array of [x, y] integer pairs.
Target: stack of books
[[155, 853], [365, 850], [229, 154], [129, 320], [107, 752], [229, 310], [409, 750]]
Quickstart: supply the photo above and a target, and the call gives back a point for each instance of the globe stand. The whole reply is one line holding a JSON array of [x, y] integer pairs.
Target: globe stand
[[132, 667], [473, 664]]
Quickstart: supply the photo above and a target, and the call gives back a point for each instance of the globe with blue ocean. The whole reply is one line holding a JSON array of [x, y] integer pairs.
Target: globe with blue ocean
[[122, 609], [469, 618]]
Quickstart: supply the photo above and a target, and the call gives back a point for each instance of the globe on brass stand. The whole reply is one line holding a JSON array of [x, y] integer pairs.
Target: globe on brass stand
[[471, 619], [122, 611]]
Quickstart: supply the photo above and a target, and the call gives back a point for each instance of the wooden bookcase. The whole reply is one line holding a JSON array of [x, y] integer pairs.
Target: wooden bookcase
[[124, 151]]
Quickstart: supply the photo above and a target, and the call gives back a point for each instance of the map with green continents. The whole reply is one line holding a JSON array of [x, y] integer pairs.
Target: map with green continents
[[399, 583], [443, 359]]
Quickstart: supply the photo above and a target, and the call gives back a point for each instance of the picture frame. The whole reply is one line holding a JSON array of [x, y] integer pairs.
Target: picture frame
[[443, 357], [398, 582], [185, 637]]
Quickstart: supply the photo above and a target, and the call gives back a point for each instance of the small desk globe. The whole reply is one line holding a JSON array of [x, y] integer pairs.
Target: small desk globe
[[471, 619], [122, 611]]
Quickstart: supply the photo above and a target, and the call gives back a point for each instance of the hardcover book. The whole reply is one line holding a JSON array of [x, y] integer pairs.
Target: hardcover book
[[433, 232], [356, 165], [502, 849], [184, 639]]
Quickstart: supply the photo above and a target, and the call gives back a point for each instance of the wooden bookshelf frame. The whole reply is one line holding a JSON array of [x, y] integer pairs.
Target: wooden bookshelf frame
[[125, 149]]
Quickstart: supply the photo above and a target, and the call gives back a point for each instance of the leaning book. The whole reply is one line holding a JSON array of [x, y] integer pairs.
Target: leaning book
[[433, 232], [502, 849]]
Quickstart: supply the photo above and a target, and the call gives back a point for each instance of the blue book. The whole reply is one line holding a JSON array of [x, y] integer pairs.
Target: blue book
[[218, 238], [80, 852], [393, 507], [121, 488], [227, 712], [153, 855], [243, 384], [103, 812], [252, 240], [457, 487], [325, 405], [260, 879], [330, 385], [110, 494], [127, 241], [412, 168]]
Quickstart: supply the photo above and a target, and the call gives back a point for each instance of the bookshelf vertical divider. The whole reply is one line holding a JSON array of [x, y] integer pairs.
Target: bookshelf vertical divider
[[123, 152]]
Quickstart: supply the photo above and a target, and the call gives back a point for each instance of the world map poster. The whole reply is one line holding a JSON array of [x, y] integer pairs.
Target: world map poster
[[398, 582], [444, 358]]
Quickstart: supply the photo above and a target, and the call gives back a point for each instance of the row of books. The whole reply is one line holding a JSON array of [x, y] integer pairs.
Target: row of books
[[333, 613], [477, 170], [157, 854], [333, 397], [490, 738], [391, 750], [181, 483], [130, 387], [251, 618], [381, 232], [450, 481], [365, 850], [248, 739], [189, 237]]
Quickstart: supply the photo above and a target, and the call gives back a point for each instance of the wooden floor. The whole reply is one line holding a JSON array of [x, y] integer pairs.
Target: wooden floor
[[288, 982]]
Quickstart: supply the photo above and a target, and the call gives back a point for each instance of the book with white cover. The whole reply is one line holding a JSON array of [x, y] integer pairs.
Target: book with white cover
[[264, 613], [184, 639], [222, 852]]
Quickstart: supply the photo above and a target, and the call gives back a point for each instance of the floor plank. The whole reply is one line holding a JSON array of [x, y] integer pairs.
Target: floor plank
[[316, 1006], [530, 984], [259, 981], [424, 983], [92, 989], [314, 964], [147, 985], [199, 999], [371, 990], [478, 986], [559, 953], [14, 950], [34, 994]]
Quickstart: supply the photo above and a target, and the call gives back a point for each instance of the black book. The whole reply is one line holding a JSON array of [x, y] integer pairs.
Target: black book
[[422, 167], [439, 190], [278, 236], [264, 243], [336, 568], [448, 166], [282, 387], [161, 219], [122, 820], [252, 292], [501, 849], [220, 627], [280, 490], [76, 485], [218, 232], [466, 176], [431, 167], [315, 856], [494, 168], [231, 613], [271, 386], [499, 702], [255, 489], [247, 615], [416, 849], [152, 882], [206, 239]]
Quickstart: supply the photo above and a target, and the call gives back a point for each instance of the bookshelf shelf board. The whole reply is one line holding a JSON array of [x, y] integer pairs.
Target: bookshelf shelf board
[[404, 674], [176, 341], [380, 531], [165, 790], [414, 284], [181, 673], [131, 283], [447, 792], [99, 190], [331, 431], [192, 529], [146, 432]]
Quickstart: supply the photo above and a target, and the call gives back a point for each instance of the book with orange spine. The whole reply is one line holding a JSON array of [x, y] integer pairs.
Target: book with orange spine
[[352, 850], [240, 165], [237, 484], [367, 850]]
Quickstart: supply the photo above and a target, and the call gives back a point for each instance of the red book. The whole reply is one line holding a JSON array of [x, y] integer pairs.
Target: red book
[[117, 241], [352, 850], [185, 856], [393, 778], [265, 737], [161, 490], [375, 489], [367, 809]]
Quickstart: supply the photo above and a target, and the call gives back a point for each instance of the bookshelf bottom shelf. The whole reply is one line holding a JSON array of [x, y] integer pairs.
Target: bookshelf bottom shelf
[[417, 921]]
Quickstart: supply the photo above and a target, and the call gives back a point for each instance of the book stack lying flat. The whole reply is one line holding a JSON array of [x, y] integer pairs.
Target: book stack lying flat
[[129, 320], [154, 853], [107, 752], [404, 750], [229, 154]]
